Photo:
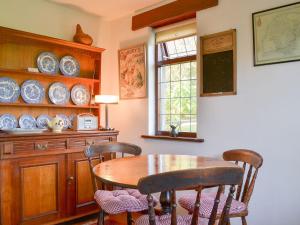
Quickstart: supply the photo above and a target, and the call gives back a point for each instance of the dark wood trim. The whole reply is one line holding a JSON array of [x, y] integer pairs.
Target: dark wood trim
[[186, 139], [177, 60], [170, 13], [180, 134]]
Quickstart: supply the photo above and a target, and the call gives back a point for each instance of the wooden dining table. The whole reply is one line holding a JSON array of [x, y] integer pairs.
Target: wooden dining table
[[126, 172]]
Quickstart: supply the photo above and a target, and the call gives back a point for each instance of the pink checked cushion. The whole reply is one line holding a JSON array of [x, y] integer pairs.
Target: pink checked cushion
[[119, 201], [166, 220], [207, 203]]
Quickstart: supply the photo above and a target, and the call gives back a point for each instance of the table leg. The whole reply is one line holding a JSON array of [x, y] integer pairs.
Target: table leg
[[165, 202]]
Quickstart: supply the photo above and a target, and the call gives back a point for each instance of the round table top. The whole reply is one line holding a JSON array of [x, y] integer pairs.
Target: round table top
[[126, 172]]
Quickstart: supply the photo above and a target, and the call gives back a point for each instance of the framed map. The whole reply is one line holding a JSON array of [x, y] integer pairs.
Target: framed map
[[276, 35], [132, 72]]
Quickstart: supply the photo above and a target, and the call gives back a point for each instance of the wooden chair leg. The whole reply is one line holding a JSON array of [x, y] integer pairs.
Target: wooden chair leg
[[101, 217], [228, 222], [244, 222], [129, 218]]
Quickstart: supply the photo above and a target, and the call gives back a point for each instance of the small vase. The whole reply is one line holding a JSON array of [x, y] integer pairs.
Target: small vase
[[81, 37]]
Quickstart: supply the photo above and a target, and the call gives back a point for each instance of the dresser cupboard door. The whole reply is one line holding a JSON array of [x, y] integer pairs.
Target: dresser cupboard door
[[34, 190], [80, 188]]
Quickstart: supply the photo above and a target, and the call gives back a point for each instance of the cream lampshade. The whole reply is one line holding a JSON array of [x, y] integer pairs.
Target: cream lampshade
[[106, 99]]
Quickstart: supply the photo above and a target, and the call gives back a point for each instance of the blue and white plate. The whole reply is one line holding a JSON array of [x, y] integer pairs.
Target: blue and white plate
[[59, 93], [72, 119], [9, 90], [47, 62], [42, 121], [80, 95], [32, 92], [8, 121], [69, 66], [27, 121], [65, 119]]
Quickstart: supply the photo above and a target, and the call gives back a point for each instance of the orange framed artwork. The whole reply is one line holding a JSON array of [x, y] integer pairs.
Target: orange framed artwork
[[132, 72]]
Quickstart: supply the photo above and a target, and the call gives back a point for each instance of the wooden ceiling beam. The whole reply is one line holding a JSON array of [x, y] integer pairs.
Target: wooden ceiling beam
[[170, 13]]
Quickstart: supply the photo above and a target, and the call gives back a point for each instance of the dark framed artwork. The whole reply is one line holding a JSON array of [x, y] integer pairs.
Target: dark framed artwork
[[276, 35]]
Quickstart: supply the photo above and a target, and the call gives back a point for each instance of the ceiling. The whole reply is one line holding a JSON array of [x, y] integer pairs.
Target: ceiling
[[113, 9]]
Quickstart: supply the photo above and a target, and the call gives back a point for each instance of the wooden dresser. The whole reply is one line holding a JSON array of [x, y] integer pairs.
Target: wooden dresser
[[45, 178]]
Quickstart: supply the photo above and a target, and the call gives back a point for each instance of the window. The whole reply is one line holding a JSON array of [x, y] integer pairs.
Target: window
[[176, 85]]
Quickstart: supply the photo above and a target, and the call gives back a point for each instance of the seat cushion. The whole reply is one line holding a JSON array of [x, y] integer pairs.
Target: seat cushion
[[119, 201], [166, 220], [207, 202]]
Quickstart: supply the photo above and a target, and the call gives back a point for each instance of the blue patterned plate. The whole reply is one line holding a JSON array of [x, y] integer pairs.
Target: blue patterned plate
[[59, 93], [32, 92], [42, 121], [71, 119], [27, 122], [65, 119], [8, 121], [69, 66], [9, 90], [47, 63], [80, 95]]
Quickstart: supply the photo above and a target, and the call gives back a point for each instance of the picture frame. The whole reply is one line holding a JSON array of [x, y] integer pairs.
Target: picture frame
[[276, 38], [218, 64], [133, 72]]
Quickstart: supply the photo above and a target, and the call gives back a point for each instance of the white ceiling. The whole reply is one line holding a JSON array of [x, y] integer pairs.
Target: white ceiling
[[113, 9]]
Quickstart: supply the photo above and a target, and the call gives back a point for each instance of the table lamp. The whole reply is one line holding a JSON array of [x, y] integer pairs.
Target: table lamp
[[106, 99]]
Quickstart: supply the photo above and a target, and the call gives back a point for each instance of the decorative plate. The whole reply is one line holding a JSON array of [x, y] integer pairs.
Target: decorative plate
[[27, 122], [80, 95], [9, 90], [42, 121], [47, 62], [8, 121], [65, 119], [32, 92], [71, 119], [23, 131], [59, 93], [69, 66]]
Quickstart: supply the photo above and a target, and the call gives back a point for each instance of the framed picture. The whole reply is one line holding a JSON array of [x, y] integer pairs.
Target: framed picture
[[276, 35], [132, 72]]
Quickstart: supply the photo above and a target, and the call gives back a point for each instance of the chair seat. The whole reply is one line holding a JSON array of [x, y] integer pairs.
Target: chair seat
[[119, 201], [207, 202], [166, 220]]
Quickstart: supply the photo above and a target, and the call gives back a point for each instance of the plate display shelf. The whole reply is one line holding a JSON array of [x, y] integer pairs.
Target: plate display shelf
[[19, 50]]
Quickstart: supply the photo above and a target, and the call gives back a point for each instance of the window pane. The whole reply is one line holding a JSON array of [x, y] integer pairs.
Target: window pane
[[175, 106], [171, 49], [164, 122], [185, 125], [185, 106], [194, 106], [175, 72], [193, 70], [165, 106], [165, 73], [175, 89], [185, 88], [180, 46], [185, 71], [193, 123], [190, 43], [165, 90], [175, 120], [193, 88]]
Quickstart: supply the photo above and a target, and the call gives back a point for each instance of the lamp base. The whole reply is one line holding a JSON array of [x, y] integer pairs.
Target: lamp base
[[106, 129]]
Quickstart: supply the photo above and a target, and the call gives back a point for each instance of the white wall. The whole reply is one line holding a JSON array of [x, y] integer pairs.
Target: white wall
[[264, 116], [47, 18]]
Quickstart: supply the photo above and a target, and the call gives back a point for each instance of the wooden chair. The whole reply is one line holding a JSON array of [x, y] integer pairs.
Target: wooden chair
[[108, 200], [250, 161], [178, 180]]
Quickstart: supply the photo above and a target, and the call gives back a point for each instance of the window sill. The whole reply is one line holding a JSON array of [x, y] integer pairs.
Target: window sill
[[168, 138]]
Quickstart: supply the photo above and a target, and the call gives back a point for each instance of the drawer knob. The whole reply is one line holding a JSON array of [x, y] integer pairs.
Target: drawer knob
[[42, 147]]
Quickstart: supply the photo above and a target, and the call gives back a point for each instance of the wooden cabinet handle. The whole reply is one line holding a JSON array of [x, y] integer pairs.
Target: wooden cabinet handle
[[42, 147]]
